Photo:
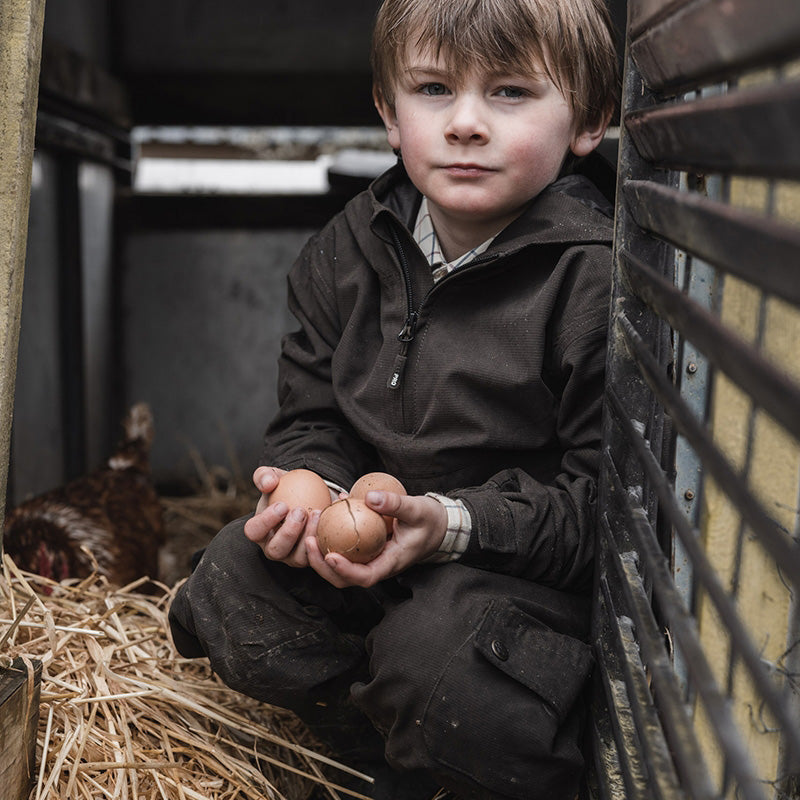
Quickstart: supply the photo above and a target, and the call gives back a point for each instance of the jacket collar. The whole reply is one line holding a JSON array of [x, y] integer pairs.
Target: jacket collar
[[570, 210]]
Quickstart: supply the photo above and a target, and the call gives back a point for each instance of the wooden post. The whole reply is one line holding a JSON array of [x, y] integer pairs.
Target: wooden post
[[21, 23]]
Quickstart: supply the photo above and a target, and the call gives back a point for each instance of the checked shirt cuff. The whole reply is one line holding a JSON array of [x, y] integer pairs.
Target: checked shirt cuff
[[459, 528]]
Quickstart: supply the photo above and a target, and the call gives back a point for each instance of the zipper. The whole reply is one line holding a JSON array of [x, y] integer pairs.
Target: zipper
[[409, 329]]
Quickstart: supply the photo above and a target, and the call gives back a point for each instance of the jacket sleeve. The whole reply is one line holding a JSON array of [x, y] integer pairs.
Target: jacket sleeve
[[309, 429], [544, 530]]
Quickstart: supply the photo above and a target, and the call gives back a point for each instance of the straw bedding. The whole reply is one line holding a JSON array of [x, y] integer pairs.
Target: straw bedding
[[122, 716]]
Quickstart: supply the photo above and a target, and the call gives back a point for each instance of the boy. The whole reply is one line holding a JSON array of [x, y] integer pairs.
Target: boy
[[452, 333]]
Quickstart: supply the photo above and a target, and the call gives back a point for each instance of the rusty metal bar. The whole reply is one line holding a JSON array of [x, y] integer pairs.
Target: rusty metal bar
[[632, 771], [605, 780], [747, 132], [760, 250], [656, 754], [698, 42]]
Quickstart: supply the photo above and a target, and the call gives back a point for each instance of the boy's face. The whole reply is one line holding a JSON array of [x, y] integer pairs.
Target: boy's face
[[479, 146]]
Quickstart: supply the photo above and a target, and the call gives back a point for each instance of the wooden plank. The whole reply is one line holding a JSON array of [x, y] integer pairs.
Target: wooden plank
[[763, 251], [19, 712], [746, 132], [21, 24], [707, 41]]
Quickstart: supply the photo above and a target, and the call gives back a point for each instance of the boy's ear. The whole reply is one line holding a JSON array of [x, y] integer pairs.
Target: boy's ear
[[389, 119], [586, 140]]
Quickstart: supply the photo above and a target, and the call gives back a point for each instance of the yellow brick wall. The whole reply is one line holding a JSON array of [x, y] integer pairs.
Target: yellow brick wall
[[772, 472]]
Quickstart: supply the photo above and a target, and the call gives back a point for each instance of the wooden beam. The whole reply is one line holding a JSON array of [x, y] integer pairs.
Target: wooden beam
[[21, 24], [20, 686]]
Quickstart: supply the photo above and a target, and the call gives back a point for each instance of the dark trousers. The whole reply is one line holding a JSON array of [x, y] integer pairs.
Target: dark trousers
[[469, 676]]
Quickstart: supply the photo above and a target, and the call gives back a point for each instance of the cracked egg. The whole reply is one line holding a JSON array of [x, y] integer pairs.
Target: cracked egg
[[353, 529]]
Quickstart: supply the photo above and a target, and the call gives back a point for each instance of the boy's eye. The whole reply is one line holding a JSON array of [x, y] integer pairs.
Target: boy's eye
[[511, 91], [433, 89]]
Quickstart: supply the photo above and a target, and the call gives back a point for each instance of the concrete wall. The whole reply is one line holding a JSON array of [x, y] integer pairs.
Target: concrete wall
[[202, 317], [39, 459], [37, 445]]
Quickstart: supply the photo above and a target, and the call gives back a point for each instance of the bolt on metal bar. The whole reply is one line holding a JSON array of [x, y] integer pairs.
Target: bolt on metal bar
[[769, 387], [783, 549]]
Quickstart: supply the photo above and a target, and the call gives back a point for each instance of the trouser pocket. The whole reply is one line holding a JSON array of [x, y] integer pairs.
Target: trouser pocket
[[506, 711]]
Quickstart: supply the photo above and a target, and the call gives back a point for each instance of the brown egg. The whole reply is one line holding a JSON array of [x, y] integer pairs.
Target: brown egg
[[379, 481], [353, 529], [382, 482], [301, 488]]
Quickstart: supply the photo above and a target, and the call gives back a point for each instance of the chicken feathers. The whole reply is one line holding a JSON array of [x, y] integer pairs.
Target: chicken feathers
[[109, 521]]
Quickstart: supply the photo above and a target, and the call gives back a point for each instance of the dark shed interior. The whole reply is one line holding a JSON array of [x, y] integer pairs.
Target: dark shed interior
[[168, 294]]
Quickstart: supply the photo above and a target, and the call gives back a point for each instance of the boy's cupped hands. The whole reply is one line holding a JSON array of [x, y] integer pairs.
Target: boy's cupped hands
[[420, 523]]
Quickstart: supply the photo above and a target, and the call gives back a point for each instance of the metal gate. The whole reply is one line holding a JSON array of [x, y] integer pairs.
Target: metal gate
[[696, 613]]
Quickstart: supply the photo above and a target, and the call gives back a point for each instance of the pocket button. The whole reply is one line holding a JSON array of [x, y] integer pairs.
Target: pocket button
[[500, 650]]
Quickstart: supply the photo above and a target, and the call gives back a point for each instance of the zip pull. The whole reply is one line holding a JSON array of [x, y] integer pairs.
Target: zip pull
[[397, 372], [409, 329], [405, 337]]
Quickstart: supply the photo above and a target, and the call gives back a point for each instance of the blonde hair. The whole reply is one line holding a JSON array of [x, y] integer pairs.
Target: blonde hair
[[571, 40]]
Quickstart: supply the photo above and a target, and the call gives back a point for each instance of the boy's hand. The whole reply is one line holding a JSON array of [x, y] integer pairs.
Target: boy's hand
[[279, 533], [420, 525]]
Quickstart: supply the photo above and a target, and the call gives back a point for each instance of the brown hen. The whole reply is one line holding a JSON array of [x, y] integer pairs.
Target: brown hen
[[113, 512]]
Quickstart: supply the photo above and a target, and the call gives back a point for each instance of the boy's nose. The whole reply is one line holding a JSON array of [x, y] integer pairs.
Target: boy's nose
[[466, 122]]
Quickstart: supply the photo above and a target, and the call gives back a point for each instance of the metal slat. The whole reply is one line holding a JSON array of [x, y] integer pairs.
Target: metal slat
[[643, 14], [770, 388], [656, 750], [605, 781], [760, 250], [704, 42], [620, 718], [782, 548], [683, 627], [748, 132], [778, 702]]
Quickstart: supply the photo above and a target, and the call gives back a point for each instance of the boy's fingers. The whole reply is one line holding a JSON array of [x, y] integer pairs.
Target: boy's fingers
[[320, 565], [337, 569], [266, 478], [258, 527], [286, 535], [386, 502]]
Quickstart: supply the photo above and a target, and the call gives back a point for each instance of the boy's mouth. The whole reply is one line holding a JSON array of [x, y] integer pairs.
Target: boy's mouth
[[468, 170]]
